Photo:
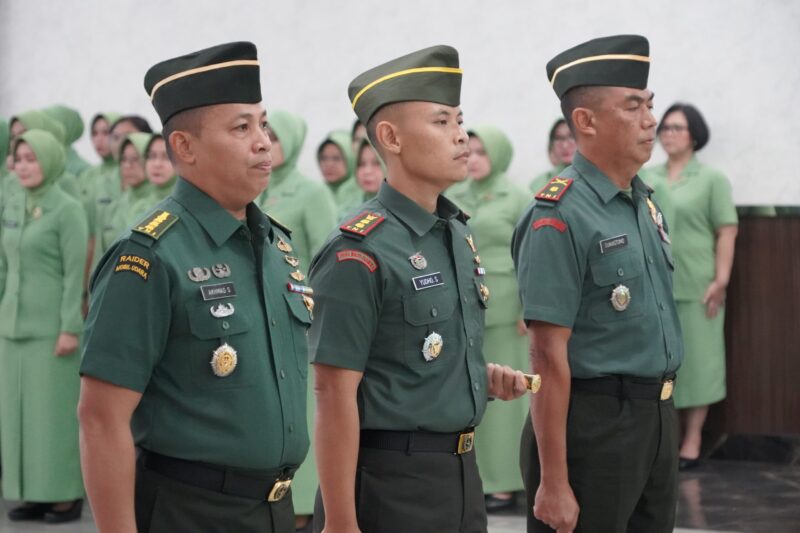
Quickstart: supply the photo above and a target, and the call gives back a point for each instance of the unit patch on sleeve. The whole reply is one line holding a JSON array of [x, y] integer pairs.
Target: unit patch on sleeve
[[156, 224], [560, 225], [555, 189], [362, 224], [133, 263], [357, 255]]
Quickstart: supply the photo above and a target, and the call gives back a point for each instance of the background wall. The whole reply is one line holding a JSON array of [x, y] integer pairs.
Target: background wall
[[737, 60]]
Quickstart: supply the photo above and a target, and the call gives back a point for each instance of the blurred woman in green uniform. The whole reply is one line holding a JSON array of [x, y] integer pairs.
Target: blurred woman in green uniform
[[495, 205], [560, 149], [703, 233], [307, 209], [90, 178], [125, 210], [72, 123], [337, 165], [5, 137], [42, 253], [159, 172], [370, 171]]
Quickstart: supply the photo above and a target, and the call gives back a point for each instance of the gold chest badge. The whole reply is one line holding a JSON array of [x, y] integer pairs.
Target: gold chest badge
[[620, 298], [224, 360]]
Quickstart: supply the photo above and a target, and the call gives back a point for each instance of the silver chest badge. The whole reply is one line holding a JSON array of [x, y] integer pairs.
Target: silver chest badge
[[222, 310], [221, 270], [620, 298], [199, 274], [432, 346], [418, 261]]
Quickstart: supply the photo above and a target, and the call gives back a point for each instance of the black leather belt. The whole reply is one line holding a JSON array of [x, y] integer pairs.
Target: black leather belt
[[627, 387], [418, 441], [269, 486]]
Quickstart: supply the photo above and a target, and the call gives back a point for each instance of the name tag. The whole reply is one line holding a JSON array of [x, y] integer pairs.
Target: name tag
[[427, 281], [620, 241], [215, 292]]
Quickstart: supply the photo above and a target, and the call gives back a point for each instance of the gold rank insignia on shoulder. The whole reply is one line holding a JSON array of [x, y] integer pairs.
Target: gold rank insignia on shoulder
[[224, 360], [362, 224], [432, 347], [620, 298], [284, 246], [554, 190], [156, 224]]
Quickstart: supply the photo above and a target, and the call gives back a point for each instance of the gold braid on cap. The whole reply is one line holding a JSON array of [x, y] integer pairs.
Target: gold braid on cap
[[199, 70], [418, 70], [604, 57]]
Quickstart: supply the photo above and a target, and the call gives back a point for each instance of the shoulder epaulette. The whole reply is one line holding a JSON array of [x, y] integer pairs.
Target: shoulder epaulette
[[155, 225], [360, 226], [554, 190], [280, 225]]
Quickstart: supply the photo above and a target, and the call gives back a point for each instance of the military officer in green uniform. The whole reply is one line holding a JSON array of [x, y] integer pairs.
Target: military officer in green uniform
[[195, 349], [400, 376], [594, 266]]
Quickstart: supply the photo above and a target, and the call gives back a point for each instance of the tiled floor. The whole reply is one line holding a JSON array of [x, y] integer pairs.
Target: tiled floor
[[719, 496]]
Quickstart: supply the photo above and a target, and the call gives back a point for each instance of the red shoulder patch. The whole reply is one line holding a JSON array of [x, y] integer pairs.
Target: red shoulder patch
[[363, 223], [554, 189], [560, 225], [357, 255]]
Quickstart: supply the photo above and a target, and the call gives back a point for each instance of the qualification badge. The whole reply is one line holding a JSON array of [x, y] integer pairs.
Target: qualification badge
[[432, 346], [221, 270], [471, 243], [484, 292], [223, 361], [297, 275], [293, 261], [199, 274], [620, 298], [284, 246], [418, 261], [309, 303]]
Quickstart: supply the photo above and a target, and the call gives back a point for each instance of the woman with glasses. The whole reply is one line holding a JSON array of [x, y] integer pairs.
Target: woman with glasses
[[560, 149], [703, 232]]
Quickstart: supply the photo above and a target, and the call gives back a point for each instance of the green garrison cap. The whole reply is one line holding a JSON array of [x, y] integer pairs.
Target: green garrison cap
[[223, 74], [428, 75], [615, 61]]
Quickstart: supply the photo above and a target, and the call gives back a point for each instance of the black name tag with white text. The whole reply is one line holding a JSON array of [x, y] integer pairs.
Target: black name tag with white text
[[607, 245], [427, 281], [220, 290]]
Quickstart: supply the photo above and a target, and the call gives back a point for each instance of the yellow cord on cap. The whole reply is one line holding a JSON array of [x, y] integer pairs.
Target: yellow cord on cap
[[198, 70], [446, 70], [604, 57]]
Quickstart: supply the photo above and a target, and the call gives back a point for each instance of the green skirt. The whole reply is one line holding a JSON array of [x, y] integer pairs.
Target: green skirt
[[305, 482], [39, 422], [701, 377], [497, 437]]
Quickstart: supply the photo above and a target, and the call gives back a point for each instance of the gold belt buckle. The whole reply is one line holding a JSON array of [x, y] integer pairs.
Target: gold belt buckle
[[666, 389], [279, 490], [465, 442]]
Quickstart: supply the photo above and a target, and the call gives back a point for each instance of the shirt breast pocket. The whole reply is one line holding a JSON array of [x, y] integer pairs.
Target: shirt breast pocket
[[208, 334], [425, 315], [300, 318], [667, 248], [617, 272]]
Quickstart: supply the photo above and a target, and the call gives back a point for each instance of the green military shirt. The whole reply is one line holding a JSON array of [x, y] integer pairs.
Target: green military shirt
[[571, 253], [151, 329], [375, 309], [703, 202]]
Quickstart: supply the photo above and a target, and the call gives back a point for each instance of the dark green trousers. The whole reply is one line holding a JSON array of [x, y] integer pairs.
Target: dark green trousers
[[419, 493], [622, 456], [164, 505]]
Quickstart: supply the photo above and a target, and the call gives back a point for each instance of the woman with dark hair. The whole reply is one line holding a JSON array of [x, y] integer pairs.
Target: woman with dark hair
[[495, 205], [357, 134], [560, 149], [336, 161], [703, 233], [370, 170], [43, 239]]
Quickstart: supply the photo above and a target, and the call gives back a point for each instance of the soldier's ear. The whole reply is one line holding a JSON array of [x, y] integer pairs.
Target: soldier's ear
[[583, 121], [182, 145], [387, 137]]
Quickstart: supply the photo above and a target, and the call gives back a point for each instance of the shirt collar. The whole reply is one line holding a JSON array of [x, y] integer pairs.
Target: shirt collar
[[215, 220], [412, 214], [600, 183]]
